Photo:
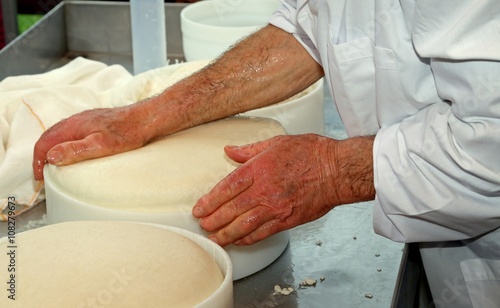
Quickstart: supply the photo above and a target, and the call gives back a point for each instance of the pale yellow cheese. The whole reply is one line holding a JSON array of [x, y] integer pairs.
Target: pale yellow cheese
[[107, 264]]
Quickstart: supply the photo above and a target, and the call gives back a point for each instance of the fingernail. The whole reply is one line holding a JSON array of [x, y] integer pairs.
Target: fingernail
[[237, 243], [54, 157], [197, 212]]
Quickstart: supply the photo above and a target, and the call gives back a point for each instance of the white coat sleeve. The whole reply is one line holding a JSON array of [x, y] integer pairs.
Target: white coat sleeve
[[437, 172]]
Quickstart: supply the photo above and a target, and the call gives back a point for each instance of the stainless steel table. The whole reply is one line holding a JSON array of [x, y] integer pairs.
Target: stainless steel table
[[353, 266], [358, 267]]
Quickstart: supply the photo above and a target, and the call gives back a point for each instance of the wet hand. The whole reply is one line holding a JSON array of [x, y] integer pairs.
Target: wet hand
[[90, 134], [284, 182]]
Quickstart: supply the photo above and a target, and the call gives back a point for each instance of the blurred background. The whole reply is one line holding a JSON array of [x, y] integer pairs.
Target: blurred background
[[16, 16]]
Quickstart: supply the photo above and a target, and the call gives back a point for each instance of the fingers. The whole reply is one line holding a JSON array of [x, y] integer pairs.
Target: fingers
[[235, 183], [248, 228], [229, 209], [38, 165], [74, 151], [264, 231], [46, 142], [69, 152], [228, 212], [231, 186], [90, 134], [235, 215], [242, 154]]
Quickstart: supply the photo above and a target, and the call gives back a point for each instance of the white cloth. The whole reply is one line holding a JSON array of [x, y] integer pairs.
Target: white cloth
[[423, 76], [30, 104]]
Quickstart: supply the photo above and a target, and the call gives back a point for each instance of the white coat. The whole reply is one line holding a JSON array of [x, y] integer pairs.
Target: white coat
[[424, 76]]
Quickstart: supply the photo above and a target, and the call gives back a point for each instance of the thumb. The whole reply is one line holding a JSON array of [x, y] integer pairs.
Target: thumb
[[243, 153], [69, 152], [63, 149]]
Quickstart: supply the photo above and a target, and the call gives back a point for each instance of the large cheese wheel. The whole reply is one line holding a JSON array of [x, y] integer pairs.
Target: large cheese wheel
[[106, 264], [168, 175]]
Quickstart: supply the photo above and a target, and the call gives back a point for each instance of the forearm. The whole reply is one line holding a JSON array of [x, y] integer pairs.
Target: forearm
[[264, 69]]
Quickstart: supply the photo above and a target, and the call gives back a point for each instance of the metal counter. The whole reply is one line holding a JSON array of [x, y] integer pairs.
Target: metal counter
[[353, 266]]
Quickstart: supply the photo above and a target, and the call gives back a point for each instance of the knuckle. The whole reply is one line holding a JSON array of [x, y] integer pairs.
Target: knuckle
[[99, 139], [224, 235], [75, 148], [274, 227], [247, 226], [248, 240], [231, 210], [286, 210]]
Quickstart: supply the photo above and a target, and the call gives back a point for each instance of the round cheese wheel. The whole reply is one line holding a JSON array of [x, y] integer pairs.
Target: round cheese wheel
[[167, 175], [107, 264]]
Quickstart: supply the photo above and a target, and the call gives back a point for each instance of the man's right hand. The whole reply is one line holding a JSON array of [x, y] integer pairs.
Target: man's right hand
[[90, 134]]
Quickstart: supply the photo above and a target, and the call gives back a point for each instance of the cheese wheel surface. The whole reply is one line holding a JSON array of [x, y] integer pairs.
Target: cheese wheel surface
[[167, 175], [109, 264]]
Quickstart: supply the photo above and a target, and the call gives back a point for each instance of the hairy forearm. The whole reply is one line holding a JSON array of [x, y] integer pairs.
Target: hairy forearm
[[263, 69]]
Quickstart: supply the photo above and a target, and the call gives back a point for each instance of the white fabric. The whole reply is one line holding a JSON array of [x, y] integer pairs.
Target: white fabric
[[30, 104], [423, 76]]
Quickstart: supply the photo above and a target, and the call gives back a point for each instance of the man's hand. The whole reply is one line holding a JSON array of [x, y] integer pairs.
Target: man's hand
[[90, 134], [284, 182]]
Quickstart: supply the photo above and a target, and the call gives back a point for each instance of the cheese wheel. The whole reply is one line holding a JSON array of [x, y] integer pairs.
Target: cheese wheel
[[167, 175], [107, 264]]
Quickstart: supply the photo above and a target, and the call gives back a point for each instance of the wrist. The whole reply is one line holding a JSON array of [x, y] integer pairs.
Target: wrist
[[351, 168]]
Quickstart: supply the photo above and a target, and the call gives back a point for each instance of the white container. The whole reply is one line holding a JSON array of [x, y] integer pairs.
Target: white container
[[223, 296], [301, 114], [210, 27]]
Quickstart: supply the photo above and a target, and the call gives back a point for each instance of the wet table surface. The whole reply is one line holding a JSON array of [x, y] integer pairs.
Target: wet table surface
[[352, 265]]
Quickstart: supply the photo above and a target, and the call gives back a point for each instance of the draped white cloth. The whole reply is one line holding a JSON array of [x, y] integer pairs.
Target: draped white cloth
[[32, 103]]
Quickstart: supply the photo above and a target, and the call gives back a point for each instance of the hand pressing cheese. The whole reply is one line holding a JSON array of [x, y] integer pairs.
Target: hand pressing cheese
[[167, 175]]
